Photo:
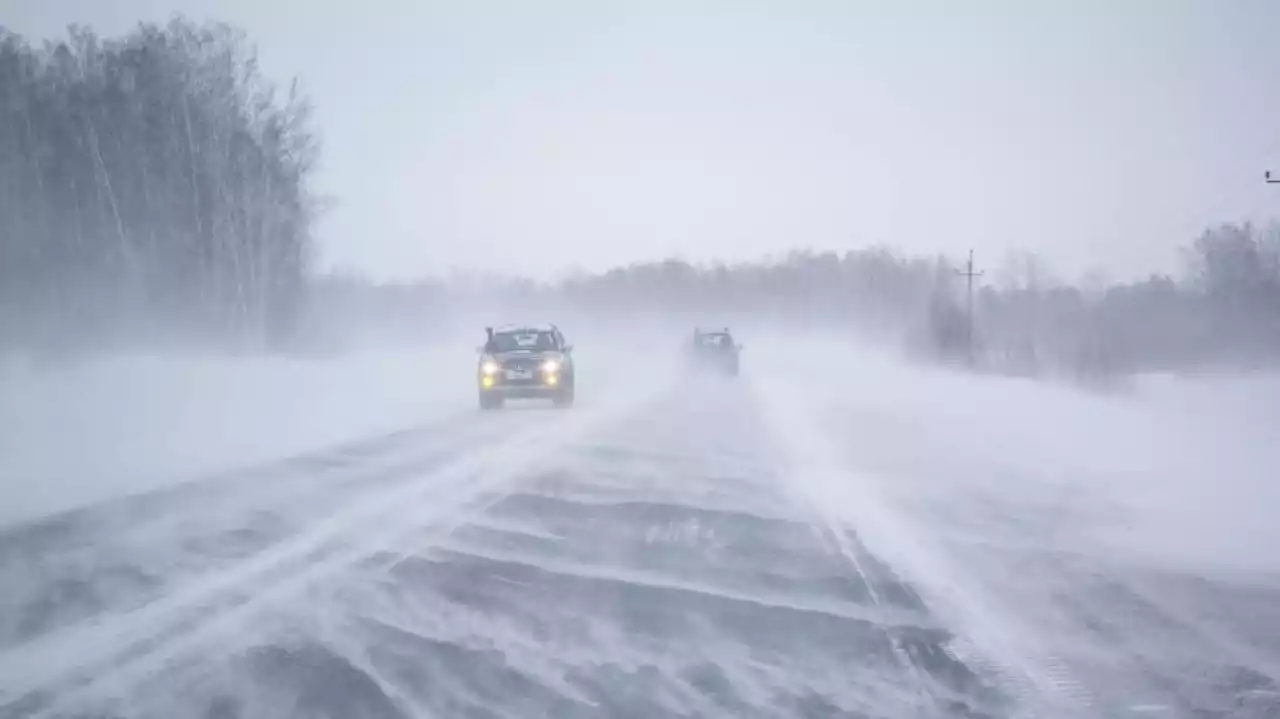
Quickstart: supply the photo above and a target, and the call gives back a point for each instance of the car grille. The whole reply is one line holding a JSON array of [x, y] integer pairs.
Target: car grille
[[530, 365]]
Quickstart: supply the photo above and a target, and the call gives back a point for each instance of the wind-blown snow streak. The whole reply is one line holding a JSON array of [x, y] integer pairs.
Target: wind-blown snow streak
[[120, 648], [1039, 537], [786, 544], [847, 501]]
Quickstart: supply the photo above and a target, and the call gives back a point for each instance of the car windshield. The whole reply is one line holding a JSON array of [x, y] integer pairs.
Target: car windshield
[[537, 340], [715, 340]]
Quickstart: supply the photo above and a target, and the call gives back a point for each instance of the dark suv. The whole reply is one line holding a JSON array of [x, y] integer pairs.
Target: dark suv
[[525, 362], [715, 349]]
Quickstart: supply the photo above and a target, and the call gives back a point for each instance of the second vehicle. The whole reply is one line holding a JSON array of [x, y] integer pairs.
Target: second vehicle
[[715, 350]]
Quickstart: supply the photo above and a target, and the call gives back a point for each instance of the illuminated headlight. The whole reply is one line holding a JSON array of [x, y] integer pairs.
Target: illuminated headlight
[[486, 381], [489, 367], [551, 366]]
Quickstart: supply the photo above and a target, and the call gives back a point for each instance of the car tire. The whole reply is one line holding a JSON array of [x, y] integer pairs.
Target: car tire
[[489, 401]]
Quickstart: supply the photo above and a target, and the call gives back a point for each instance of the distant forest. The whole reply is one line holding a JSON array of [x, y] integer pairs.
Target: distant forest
[[1222, 311], [155, 189]]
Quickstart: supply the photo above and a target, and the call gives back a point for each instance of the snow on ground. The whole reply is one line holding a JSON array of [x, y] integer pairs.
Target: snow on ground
[[1189, 463], [835, 533], [1106, 553], [83, 433], [77, 435], [1179, 471]]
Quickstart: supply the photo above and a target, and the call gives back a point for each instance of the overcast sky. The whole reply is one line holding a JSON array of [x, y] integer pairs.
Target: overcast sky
[[539, 137]]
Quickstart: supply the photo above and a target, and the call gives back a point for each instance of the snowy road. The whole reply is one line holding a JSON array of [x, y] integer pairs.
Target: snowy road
[[736, 549]]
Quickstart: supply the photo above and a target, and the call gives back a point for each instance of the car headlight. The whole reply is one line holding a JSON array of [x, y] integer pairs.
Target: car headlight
[[489, 367], [551, 366]]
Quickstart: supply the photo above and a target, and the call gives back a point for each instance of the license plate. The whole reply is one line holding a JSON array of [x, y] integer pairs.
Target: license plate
[[519, 374]]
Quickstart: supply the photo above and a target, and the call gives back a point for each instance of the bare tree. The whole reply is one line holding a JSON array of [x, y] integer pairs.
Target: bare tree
[[151, 186]]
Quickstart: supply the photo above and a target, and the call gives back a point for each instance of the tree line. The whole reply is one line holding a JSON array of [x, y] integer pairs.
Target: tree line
[[153, 188], [1222, 309]]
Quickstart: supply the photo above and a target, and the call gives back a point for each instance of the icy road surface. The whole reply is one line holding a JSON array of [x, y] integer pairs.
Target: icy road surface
[[768, 547]]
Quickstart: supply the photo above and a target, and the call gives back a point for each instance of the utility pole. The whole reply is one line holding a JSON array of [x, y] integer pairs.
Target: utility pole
[[969, 274]]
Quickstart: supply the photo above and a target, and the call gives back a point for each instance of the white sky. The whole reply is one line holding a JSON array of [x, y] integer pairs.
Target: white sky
[[538, 137]]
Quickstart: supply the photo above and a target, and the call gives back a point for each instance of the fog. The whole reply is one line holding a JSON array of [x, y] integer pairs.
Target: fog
[[250, 461]]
